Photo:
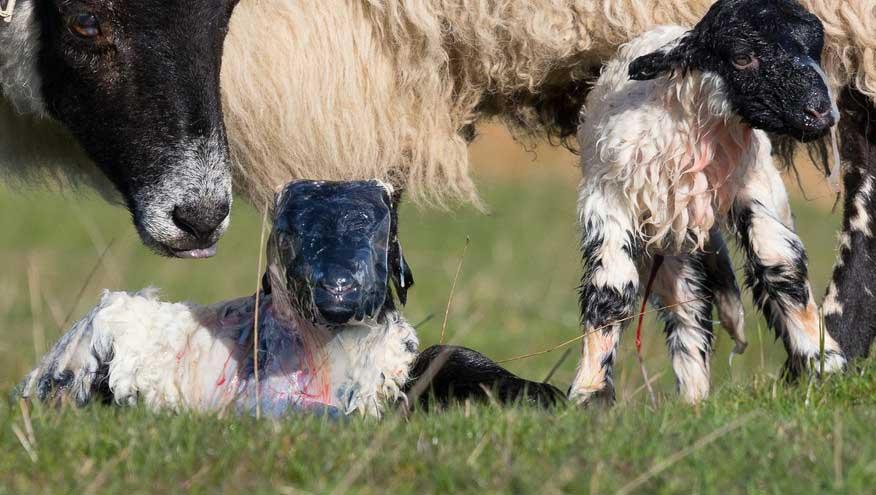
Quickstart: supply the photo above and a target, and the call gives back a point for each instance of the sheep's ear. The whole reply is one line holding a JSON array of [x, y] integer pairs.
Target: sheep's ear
[[402, 276], [664, 60]]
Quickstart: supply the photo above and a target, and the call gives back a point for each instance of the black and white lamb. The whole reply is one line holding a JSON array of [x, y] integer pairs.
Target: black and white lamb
[[330, 335], [674, 144]]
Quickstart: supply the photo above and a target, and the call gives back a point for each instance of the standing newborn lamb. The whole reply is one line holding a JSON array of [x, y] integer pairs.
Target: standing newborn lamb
[[673, 143]]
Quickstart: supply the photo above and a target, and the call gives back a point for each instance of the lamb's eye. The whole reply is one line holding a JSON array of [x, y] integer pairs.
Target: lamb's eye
[[745, 61], [84, 25]]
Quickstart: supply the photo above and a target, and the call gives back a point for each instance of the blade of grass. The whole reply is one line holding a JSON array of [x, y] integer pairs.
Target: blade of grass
[[453, 288]]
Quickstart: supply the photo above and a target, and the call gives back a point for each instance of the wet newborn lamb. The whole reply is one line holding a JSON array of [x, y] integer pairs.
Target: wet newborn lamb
[[330, 335], [673, 146]]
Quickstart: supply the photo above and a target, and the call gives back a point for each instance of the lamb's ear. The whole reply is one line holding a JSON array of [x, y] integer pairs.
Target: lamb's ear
[[400, 272], [402, 276], [266, 283], [666, 59]]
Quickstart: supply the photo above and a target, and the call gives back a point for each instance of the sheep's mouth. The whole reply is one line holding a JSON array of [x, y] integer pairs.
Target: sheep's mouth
[[812, 129], [182, 246], [195, 254], [809, 137]]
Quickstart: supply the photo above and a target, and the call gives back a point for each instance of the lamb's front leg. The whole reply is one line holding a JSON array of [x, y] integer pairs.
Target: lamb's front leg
[[133, 347], [609, 289], [776, 270], [76, 368]]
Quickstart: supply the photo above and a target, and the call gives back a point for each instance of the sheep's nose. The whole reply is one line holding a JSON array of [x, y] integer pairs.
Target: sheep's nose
[[201, 221]]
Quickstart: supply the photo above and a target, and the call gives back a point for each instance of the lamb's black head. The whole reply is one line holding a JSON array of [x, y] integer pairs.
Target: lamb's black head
[[137, 83], [767, 52], [335, 248]]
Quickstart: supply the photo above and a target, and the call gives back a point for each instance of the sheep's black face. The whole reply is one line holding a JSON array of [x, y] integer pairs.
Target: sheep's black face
[[767, 52], [137, 83], [336, 244]]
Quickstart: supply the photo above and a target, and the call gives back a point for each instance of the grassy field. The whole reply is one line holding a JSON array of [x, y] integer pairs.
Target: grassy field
[[515, 295]]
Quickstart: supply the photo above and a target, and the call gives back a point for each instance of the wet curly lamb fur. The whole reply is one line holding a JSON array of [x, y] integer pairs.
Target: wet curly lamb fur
[[673, 147]]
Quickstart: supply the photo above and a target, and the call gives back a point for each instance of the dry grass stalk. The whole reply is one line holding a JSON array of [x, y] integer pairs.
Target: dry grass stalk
[[255, 325], [28, 448], [453, 288], [36, 309], [585, 334]]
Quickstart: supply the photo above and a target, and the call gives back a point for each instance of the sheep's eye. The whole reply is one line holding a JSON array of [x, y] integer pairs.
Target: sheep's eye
[[745, 61], [84, 25]]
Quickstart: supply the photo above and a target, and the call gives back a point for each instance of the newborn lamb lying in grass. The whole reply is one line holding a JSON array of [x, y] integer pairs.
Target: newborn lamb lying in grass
[[330, 335], [673, 145]]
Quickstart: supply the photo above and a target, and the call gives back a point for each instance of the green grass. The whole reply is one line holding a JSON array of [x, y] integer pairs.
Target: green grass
[[516, 295]]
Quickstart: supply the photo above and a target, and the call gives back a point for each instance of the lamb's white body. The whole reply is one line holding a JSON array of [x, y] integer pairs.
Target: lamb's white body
[[190, 357], [671, 145], [665, 161]]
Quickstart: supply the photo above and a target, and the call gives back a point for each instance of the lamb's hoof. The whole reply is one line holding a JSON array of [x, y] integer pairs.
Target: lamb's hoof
[[55, 385], [74, 369], [796, 366], [603, 397]]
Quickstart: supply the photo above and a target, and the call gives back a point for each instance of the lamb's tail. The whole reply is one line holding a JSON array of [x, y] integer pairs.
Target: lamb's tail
[[443, 374]]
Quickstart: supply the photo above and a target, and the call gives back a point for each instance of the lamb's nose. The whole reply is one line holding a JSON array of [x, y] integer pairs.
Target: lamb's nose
[[339, 285], [200, 221], [821, 117], [820, 109], [818, 113]]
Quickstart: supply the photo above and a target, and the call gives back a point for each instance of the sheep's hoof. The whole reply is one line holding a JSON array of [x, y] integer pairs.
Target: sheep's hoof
[[603, 397]]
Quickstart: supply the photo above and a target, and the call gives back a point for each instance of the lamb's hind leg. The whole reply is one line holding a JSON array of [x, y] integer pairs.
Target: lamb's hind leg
[[727, 296], [609, 289], [776, 270], [682, 292]]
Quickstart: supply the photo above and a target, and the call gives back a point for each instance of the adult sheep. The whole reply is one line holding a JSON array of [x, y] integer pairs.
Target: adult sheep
[[394, 89], [123, 95]]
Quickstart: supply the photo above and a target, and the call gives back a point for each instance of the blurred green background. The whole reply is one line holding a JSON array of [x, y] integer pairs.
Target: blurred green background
[[516, 293]]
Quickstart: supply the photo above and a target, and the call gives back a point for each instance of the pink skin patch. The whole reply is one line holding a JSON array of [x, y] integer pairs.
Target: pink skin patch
[[711, 187], [293, 373]]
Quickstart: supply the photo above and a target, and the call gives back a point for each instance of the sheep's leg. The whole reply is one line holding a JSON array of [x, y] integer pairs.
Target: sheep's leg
[[776, 270], [848, 306], [682, 291], [609, 289]]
